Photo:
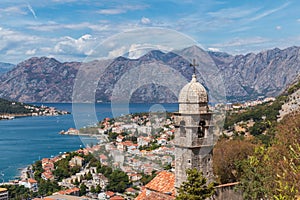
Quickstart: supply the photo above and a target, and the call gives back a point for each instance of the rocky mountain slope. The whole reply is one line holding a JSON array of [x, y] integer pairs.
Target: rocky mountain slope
[[39, 80], [245, 76], [264, 74], [291, 104]]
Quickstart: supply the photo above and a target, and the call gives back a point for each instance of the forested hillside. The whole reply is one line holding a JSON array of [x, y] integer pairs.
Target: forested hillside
[[10, 107], [265, 160]]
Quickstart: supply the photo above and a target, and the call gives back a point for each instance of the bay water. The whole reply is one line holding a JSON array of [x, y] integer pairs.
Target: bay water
[[27, 139]]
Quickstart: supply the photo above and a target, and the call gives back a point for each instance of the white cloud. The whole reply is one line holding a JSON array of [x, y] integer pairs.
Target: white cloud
[[135, 51], [138, 50], [52, 26], [117, 52], [16, 46], [13, 10], [145, 20], [242, 42], [81, 46], [233, 13], [234, 17], [278, 27], [30, 52], [111, 11], [269, 12], [214, 49], [9, 37], [64, 1], [121, 9], [241, 29]]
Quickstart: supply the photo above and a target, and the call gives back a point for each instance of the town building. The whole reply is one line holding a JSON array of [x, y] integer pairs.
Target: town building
[[76, 161], [30, 183], [3, 194], [159, 188], [72, 191]]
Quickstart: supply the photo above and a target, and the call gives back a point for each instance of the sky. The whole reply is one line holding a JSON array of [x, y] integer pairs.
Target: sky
[[69, 29]]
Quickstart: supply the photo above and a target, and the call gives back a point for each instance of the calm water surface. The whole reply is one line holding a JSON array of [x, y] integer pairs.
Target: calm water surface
[[25, 140]]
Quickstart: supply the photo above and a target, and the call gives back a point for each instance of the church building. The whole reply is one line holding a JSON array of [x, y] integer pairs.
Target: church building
[[193, 143], [193, 140]]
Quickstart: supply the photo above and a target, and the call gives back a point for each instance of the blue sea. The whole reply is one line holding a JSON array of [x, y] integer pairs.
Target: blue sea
[[27, 139]]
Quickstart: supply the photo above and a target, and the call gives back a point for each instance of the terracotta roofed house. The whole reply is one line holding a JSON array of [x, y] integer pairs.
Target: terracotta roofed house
[[160, 188], [117, 198], [3, 194]]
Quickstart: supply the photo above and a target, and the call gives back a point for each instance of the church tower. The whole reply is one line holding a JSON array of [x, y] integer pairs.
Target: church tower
[[193, 147]]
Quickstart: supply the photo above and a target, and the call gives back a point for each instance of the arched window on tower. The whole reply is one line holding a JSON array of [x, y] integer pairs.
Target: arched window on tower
[[182, 128], [201, 129]]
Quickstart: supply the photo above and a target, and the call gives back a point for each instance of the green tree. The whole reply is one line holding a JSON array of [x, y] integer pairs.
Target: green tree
[[19, 192], [105, 170], [89, 176], [82, 189], [147, 178], [118, 181], [48, 187], [76, 182], [285, 154], [257, 178], [226, 157], [196, 187], [93, 190], [98, 189]]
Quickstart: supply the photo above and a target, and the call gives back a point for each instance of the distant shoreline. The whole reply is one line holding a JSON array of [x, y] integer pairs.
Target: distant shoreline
[[14, 116]]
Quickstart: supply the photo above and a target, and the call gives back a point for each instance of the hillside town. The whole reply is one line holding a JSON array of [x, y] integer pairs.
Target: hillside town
[[138, 145], [141, 146]]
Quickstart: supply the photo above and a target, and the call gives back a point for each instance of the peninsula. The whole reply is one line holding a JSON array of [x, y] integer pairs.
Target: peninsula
[[12, 109]]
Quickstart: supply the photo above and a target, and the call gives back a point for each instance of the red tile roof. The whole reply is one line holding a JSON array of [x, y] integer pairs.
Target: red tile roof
[[130, 190], [103, 157], [117, 198], [47, 174], [32, 180], [163, 182], [110, 193], [160, 188], [69, 191], [142, 195]]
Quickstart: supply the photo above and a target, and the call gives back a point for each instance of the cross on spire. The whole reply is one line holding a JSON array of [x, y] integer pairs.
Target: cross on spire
[[194, 65]]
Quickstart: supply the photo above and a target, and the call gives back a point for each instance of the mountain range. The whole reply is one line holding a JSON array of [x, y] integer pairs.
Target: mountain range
[[245, 77]]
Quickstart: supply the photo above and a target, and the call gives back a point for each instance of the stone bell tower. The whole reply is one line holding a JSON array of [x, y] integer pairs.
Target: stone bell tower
[[193, 147]]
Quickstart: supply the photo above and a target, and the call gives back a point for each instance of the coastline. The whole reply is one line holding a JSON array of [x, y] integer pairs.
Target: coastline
[[21, 175], [23, 172], [32, 111], [76, 132], [50, 129]]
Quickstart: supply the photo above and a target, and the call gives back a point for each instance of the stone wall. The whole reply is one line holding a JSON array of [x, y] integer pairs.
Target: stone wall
[[227, 192]]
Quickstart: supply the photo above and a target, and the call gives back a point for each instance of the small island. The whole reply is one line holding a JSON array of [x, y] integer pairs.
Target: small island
[[11, 109]]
